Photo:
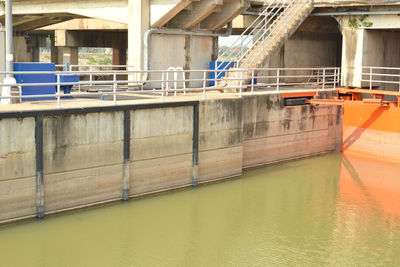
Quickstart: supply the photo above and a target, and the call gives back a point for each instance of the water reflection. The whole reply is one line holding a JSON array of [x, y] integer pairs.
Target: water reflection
[[329, 210]]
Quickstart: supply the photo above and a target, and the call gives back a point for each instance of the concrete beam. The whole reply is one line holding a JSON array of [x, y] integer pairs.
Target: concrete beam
[[86, 24], [230, 10], [188, 19], [171, 13], [116, 12], [90, 38]]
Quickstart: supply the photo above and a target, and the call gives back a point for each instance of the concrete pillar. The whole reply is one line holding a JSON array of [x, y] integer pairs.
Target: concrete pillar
[[2, 53], [119, 56], [352, 56], [119, 51], [53, 50], [138, 24], [67, 54]]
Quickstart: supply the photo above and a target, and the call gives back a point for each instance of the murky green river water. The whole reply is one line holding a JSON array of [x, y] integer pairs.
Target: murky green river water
[[324, 211]]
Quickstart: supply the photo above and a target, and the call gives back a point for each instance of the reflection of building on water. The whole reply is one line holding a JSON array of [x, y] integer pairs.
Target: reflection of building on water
[[371, 184]]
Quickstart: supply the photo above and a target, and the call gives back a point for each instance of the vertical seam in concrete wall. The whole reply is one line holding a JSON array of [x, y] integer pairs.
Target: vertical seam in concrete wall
[[39, 166], [127, 153], [195, 167]]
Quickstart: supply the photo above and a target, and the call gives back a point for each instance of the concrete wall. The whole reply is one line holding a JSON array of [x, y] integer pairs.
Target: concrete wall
[[317, 43], [187, 52], [273, 132], [220, 139], [85, 158], [162, 146], [17, 168]]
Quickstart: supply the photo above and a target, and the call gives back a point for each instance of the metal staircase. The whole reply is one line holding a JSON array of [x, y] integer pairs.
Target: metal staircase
[[278, 21]]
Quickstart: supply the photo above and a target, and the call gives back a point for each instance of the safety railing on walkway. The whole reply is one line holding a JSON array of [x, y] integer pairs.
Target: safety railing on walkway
[[387, 78], [176, 82]]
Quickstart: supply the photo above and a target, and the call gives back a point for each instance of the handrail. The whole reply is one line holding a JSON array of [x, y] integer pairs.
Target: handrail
[[260, 52], [262, 17], [271, 26], [277, 81]]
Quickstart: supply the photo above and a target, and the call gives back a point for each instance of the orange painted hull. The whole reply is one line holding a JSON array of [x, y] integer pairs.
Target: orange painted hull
[[371, 130]]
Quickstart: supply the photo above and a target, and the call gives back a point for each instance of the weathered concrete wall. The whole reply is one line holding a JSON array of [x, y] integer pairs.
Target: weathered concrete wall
[[92, 157], [317, 43], [220, 140], [187, 52], [161, 145], [17, 168], [272, 132], [82, 159]]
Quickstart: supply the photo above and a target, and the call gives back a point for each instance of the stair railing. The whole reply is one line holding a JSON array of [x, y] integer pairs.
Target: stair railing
[[264, 37], [274, 34], [246, 37]]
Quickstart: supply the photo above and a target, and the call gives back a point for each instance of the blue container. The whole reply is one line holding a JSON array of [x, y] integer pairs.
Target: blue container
[[68, 78], [36, 78], [221, 65]]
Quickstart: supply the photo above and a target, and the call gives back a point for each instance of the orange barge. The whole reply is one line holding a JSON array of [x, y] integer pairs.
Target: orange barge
[[371, 126]]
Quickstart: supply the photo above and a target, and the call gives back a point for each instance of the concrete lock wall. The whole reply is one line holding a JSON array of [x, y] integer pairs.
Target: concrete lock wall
[[273, 132], [95, 155]]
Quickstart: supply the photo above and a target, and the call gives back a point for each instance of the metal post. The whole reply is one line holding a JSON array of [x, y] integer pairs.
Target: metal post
[[334, 79], [9, 38], [58, 91], [184, 82], [162, 86], [9, 77], [370, 78], [277, 80], [323, 79], [90, 75], [115, 88], [241, 84], [175, 81], [204, 85], [166, 84], [252, 82]]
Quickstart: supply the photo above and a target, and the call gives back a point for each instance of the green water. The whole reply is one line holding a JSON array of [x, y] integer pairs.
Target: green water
[[297, 213]]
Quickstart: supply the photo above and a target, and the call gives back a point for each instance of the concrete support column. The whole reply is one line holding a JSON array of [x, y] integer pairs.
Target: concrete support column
[[53, 50], [119, 56], [2, 53], [352, 56], [67, 54], [138, 24]]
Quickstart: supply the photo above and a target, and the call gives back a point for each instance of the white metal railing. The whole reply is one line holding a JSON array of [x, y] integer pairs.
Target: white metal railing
[[244, 42], [274, 31], [388, 77], [159, 82]]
